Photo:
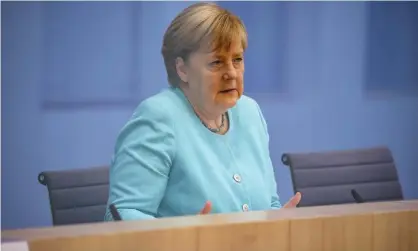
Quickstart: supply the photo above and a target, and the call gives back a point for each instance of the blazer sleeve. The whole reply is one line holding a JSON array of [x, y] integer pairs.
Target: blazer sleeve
[[144, 153], [275, 200]]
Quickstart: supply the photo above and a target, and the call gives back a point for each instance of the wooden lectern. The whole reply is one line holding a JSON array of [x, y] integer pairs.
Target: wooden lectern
[[391, 226]]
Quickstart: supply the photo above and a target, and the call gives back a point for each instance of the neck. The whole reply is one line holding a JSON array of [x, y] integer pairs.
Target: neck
[[210, 118]]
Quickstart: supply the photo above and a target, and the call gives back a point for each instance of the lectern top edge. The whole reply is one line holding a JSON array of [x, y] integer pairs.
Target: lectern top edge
[[201, 221]]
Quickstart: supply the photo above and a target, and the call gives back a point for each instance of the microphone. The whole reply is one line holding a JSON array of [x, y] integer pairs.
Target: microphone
[[357, 197], [115, 213]]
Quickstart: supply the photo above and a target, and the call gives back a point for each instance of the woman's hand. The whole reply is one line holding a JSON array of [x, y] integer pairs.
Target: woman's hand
[[207, 208], [294, 201]]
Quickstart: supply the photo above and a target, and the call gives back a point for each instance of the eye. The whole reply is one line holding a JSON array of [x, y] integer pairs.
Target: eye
[[237, 60], [215, 63]]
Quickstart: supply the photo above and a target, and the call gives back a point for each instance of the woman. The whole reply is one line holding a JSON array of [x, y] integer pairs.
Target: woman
[[199, 146]]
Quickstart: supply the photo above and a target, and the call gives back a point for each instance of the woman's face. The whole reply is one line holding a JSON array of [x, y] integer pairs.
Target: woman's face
[[215, 80]]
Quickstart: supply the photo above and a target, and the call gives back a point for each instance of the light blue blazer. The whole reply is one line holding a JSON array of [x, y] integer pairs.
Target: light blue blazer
[[166, 163]]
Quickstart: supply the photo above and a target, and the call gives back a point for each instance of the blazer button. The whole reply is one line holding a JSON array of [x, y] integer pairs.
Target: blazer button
[[237, 178], [245, 207]]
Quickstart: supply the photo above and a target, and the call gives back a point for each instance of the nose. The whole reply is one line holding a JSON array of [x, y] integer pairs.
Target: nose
[[231, 72]]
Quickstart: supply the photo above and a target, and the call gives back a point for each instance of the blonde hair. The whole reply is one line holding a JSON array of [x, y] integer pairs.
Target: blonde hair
[[200, 26]]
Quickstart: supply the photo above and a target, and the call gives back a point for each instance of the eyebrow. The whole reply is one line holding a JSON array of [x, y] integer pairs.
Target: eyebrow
[[222, 55]]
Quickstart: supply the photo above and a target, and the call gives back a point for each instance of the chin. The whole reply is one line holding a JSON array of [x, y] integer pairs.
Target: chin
[[228, 100], [230, 103]]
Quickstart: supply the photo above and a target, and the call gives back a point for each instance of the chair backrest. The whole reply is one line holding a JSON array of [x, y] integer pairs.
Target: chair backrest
[[326, 178], [77, 195]]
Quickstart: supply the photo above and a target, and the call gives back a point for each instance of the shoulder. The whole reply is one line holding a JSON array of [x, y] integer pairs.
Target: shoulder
[[249, 108], [249, 112], [164, 103], [151, 121], [246, 101]]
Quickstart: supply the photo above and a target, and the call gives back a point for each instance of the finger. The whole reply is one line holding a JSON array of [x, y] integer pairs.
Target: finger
[[294, 201], [207, 208]]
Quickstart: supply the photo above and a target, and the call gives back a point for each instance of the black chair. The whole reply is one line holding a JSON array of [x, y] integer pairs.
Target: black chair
[[349, 176], [77, 195]]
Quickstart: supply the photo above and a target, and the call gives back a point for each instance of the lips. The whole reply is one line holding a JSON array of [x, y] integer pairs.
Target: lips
[[228, 90]]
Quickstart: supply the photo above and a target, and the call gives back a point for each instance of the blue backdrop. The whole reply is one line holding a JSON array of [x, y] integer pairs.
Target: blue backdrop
[[328, 75]]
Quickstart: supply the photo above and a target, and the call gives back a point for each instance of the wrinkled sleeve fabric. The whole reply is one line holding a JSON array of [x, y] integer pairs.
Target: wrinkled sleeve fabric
[[144, 153], [275, 201]]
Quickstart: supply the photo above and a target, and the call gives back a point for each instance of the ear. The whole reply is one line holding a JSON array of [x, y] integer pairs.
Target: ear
[[181, 69]]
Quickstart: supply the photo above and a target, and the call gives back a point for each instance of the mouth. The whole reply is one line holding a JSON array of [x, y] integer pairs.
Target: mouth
[[228, 90]]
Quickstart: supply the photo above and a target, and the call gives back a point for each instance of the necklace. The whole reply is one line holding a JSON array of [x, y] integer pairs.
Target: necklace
[[215, 130]]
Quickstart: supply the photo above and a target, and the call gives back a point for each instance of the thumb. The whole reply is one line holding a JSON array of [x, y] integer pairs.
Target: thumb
[[207, 208], [294, 201]]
